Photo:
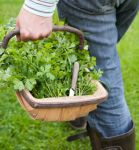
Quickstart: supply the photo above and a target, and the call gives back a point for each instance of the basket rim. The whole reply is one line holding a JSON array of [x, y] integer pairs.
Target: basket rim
[[99, 96]]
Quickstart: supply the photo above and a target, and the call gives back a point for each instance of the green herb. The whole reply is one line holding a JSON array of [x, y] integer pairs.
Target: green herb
[[45, 67]]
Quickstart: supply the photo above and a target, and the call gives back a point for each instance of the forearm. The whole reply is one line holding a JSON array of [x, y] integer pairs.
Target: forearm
[[43, 8]]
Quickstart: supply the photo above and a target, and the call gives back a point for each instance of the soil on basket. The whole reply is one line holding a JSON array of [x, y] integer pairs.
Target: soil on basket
[[45, 67]]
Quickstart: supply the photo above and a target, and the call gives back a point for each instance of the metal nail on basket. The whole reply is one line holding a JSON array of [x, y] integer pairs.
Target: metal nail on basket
[[59, 108]]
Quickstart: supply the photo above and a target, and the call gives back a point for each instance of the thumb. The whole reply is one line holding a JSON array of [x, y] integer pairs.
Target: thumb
[[18, 28]]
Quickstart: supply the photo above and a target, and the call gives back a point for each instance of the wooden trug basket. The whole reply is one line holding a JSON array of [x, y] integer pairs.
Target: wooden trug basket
[[59, 108]]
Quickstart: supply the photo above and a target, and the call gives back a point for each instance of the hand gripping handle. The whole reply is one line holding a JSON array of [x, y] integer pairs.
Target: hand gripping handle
[[15, 32]]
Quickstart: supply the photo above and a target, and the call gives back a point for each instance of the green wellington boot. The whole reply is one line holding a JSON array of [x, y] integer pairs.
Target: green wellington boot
[[123, 142]]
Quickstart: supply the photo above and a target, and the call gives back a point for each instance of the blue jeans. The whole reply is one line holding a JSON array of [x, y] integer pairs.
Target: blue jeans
[[104, 22]]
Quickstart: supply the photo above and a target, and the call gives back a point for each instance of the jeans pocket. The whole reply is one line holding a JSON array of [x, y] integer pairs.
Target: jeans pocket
[[108, 2], [105, 4], [92, 6]]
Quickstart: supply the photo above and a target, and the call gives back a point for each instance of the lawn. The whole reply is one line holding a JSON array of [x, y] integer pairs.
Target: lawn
[[19, 132]]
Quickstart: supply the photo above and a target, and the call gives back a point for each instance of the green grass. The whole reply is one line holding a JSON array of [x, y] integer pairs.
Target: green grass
[[9, 8], [19, 132], [129, 54]]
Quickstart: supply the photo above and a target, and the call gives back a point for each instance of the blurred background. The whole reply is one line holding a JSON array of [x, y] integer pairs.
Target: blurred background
[[19, 132]]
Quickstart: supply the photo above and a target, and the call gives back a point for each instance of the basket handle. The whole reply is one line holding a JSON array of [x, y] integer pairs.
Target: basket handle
[[67, 28]]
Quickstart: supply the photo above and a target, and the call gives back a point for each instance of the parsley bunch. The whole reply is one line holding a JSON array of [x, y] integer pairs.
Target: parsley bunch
[[45, 67]]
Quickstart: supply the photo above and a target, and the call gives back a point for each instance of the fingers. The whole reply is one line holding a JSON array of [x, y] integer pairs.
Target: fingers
[[26, 35], [17, 28]]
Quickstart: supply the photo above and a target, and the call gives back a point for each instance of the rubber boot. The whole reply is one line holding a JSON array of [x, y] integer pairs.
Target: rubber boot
[[123, 142]]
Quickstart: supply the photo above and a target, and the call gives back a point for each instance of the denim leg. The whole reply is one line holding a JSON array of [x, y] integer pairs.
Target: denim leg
[[125, 14], [111, 117]]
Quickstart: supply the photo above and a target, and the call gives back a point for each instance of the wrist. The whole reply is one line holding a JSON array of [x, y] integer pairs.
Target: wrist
[[43, 8]]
